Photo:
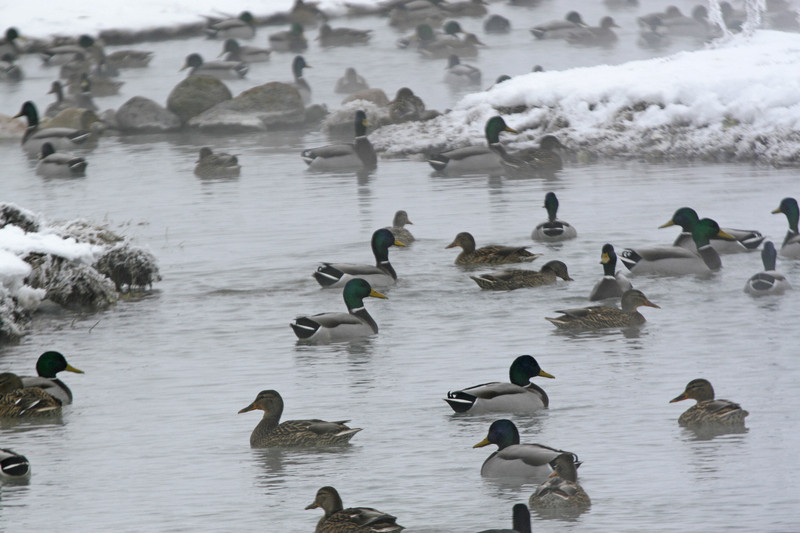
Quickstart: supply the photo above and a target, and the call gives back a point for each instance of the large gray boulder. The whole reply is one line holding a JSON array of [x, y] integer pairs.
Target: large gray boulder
[[142, 115], [273, 105], [196, 94]]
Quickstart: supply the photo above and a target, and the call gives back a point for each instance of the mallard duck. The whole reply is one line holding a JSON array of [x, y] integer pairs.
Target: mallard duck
[[416, 12], [531, 462], [423, 34], [676, 24], [559, 29], [241, 27], [488, 255], [474, 159], [406, 106], [9, 71], [561, 492], [13, 465], [542, 161], [686, 217], [769, 281], [708, 411], [129, 58], [351, 82], [65, 53], [61, 103], [60, 164], [291, 40], [60, 138], [299, 83], [342, 36], [675, 260], [18, 402], [335, 327], [400, 233], [85, 86], [9, 45], [351, 156], [508, 280], [460, 74], [612, 284], [791, 243], [269, 432], [215, 165], [520, 521], [382, 274], [601, 316], [222, 70], [451, 44], [518, 396], [602, 35], [233, 51], [552, 229], [496, 24], [337, 519], [47, 366]]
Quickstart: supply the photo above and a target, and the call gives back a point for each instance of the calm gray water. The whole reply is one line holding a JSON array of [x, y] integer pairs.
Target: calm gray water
[[153, 441]]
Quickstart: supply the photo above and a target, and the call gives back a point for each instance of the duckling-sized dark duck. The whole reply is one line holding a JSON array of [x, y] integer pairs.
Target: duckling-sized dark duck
[[337, 519], [601, 317], [508, 280], [488, 255], [270, 433], [709, 412]]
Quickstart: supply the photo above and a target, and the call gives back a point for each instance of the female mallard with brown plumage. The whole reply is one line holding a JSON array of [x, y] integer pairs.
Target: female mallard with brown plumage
[[601, 317], [313, 432], [511, 279], [562, 491], [18, 402], [400, 233], [518, 396], [709, 412], [337, 519], [489, 255]]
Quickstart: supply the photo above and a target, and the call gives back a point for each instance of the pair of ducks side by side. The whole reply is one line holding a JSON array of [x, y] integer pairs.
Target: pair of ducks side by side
[[40, 395], [492, 158], [61, 139]]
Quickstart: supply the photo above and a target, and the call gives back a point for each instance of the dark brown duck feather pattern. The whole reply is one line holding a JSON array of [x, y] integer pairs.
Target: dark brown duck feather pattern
[[489, 255]]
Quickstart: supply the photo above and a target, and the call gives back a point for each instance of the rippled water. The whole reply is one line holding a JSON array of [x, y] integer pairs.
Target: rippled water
[[153, 441]]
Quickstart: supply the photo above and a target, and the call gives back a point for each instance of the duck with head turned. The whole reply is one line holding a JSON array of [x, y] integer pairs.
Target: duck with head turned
[[488, 255], [382, 274], [9, 45], [351, 82], [543, 161], [337, 519], [18, 402], [602, 35], [291, 40], [54, 164], [342, 36], [687, 219], [216, 165], [336, 327], [509, 280], [674, 260], [791, 243], [559, 29], [233, 51], [359, 155], [299, 83], [477, 159], [602, 317], [13, 466], [401, 234], [768, 281], [270, 433], [47, 366], [709, 412], [612, 284], [520, 395], [512, 460], [553, 229], [222, 70], [561, 493], [458, 73], [241, 27]]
